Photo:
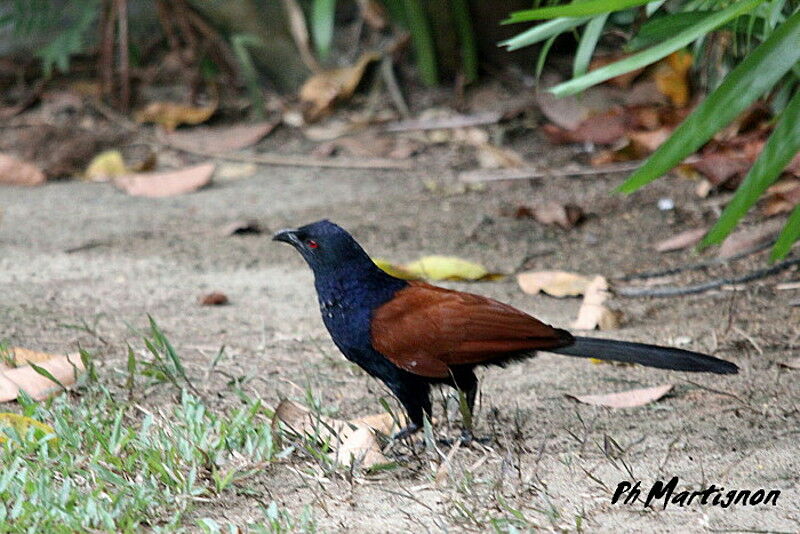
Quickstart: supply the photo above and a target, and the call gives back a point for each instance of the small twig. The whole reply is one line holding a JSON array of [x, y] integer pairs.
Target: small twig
[[493, 175], [124, 71], [673, 291], [107, 49], [458, 121], [696, 266], [396, 94]]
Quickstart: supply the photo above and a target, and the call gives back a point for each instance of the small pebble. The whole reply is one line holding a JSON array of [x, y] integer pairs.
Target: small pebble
[[666, 204]]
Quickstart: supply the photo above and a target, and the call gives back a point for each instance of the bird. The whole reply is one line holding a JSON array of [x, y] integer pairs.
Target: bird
[[412, 335]]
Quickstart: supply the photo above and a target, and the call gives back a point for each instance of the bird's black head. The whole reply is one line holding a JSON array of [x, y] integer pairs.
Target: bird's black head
[[327, 248]]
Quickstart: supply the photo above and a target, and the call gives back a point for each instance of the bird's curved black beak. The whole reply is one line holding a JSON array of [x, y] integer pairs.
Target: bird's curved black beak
[[288, 235]]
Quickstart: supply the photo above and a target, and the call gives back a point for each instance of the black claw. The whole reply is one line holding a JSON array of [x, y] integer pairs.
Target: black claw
[[405, 432]]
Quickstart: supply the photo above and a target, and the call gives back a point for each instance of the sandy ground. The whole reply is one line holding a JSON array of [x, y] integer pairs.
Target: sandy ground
[[73, 252]]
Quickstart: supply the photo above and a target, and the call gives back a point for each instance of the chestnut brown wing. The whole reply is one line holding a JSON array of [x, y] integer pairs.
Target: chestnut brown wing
[[425, 329]]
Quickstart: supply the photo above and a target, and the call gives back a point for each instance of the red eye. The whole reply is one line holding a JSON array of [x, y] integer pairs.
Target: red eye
[[312, 244]]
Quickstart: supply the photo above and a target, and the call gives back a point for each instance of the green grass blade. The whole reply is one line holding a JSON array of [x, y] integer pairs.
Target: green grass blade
[[322, 18], [422, 39], [651, 55], [587, 45], [575, 9], [780, 148], [789, 236], [47, 374], [541, 32], [750, 79], [466, 38]]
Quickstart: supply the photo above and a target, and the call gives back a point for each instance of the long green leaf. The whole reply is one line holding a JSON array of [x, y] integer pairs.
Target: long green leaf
[[651, 55], [591, 35], [422, 39], [322, 19], [780, 148], [750, 79], [466, 38], [789, 236], [575, 9], [541, 32]]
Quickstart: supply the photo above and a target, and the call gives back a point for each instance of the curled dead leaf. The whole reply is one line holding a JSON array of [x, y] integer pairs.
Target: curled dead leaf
[[171, 115], [749, 238], [323, 89], [14, 171], [625, 399], [166, 183], [593, 313], [554, 283], [672, 77], [105, 166], [794, 363], [553, 213]]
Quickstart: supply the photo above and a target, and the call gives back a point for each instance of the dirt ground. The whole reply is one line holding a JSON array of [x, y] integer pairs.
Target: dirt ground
[[73, 252]]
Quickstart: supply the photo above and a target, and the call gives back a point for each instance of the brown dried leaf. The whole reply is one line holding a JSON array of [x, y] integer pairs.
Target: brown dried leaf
[[166, 183], [214, 299], [564, 215], [25, 378], [681, 241], [622, 81], [625, 399], [603, 129], [782, 197], [15, 171], [360, 448], [323, 89], [672, 77], [219, 139], [794, 363], [719, 167], [749, 238], [171, 115], [554, 283], [593, 313]]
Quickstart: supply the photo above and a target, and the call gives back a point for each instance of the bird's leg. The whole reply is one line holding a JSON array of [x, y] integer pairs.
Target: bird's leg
[[415, 398], [465, 381]]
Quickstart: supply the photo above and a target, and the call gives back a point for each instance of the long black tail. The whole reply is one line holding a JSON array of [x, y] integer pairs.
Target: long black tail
[[649, 355]]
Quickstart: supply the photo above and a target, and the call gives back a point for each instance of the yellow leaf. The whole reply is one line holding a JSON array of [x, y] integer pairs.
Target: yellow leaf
[[21, 424], [171, 115], [106, 165], [672, 77], [395, 270]]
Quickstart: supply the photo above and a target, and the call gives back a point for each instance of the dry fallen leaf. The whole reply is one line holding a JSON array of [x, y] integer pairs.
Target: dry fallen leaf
[[14, 171], [166, 183], [352, 440], [439, 268], [672, 77], [105, 166], [22, 424], [323, 89], [603, 129], [38, 387], [554, 283], [681, 241], [794, 363], [782, 197], [171, 115], [214, 299], [219, 139], [749, 238], [564, 215], [494, 157], [625, 399], [593, 313]]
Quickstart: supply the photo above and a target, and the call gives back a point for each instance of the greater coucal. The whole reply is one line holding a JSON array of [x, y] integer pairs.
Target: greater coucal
[[410, 334]]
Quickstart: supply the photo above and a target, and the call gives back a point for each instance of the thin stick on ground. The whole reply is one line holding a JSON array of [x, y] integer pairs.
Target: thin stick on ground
[[674, 291]]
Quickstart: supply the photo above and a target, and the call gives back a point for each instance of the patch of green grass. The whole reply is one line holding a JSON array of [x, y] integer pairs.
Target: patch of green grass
[[118, 466]]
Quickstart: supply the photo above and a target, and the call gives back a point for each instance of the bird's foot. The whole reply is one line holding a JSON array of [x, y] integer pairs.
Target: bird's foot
[[405, 432], [466, 439]]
